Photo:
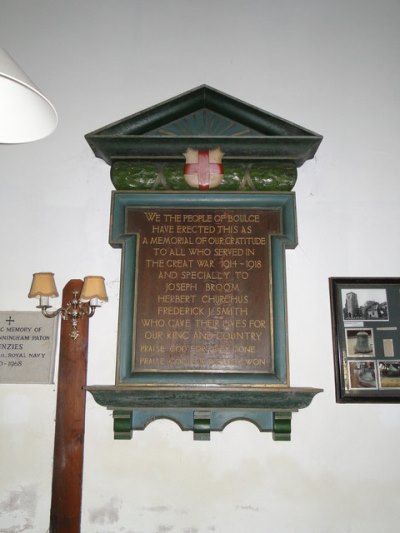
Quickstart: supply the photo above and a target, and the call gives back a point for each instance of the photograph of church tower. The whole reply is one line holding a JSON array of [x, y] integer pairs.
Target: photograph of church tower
[[365, 304]]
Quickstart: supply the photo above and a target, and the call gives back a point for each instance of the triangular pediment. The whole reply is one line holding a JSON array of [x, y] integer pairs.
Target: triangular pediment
[[204, 118], [204, 122]]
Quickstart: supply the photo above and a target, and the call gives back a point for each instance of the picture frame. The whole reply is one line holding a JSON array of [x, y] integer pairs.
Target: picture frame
[[365, 315]]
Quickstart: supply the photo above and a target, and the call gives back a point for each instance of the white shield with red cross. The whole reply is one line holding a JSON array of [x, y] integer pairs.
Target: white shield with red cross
[[203, 168]]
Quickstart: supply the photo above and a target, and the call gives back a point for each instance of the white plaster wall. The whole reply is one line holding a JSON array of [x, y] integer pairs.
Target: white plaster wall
[[330, 66]]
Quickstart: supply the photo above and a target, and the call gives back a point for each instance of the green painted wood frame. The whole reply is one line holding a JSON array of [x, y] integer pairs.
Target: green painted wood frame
[[121, 201]]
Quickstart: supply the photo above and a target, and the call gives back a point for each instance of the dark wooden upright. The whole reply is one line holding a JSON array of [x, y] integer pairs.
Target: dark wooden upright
[[65, 513]]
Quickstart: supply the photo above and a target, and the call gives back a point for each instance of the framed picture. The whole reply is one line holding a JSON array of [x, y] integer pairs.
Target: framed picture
[[366, 338]]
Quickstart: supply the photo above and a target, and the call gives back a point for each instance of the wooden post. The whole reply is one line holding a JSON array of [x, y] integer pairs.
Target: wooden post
[[65, 513]]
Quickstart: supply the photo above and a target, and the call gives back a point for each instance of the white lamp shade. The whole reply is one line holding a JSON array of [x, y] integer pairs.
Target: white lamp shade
[[25, 113]]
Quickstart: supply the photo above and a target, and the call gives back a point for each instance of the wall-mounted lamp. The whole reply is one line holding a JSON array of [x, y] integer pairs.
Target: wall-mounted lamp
[[26, 114], [81, 305]]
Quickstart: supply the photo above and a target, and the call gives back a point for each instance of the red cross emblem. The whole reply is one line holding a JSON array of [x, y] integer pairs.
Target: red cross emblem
[[203, 168]]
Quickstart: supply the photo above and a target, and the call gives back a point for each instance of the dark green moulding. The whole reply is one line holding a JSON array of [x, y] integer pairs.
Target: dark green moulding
[[233, 176], [127, 176], [279, 178], [145, 175], [174, 178], [141, 176]]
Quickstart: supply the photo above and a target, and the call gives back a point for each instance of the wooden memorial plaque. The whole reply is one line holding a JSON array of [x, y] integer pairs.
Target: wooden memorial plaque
[[203, 289], [204, 213], [202, 295]]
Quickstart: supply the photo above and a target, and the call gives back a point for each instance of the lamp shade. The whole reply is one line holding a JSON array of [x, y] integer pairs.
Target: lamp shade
[[93, 288], [43, 284], [25, 113]]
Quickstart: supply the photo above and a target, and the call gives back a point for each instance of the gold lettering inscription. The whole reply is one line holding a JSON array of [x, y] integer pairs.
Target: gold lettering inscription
[[203, 289]]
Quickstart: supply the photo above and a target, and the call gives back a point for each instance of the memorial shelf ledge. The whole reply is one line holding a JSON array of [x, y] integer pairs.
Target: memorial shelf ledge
[[202, 409]]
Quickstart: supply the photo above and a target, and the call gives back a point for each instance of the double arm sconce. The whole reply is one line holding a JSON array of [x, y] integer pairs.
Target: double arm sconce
[[82, 305]]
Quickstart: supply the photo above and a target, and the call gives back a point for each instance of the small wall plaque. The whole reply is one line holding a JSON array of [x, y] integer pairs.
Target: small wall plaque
[[27, 347]]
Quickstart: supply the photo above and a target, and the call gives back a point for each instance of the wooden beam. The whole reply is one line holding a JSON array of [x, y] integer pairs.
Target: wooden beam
[[66, 501]]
